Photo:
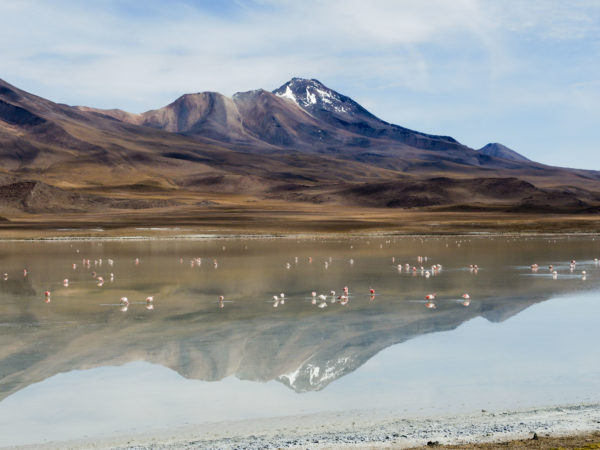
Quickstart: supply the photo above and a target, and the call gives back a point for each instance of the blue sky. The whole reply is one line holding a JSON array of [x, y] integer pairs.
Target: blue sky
[[524, 73]]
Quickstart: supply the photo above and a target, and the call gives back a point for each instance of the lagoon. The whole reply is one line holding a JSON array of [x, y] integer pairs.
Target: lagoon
[[78, 363]]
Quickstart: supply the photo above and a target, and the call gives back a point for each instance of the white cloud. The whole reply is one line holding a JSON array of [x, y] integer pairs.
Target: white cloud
[[475, 57], [190, 50]]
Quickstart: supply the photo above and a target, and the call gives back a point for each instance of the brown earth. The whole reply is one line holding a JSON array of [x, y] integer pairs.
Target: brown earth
[[580, 441]]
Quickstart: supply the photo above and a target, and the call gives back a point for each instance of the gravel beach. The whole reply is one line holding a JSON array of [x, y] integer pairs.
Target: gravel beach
[[362, 429]]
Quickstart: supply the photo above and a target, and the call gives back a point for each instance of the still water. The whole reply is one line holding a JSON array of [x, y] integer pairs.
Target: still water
[[81, 362]]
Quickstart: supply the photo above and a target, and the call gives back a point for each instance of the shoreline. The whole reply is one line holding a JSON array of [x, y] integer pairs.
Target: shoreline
[[175, 235], [364, 429]]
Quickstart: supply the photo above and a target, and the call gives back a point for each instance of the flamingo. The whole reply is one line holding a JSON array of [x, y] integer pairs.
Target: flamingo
[[430, 297], [372, 291], [150, 302], [5, 277], [66, 282], [466, 296]]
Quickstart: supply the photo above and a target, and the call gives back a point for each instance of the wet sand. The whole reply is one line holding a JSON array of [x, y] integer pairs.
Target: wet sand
[[568, 426]]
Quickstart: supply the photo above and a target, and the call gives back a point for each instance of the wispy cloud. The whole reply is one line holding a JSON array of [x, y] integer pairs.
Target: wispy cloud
[[184, 46], [411, 60]]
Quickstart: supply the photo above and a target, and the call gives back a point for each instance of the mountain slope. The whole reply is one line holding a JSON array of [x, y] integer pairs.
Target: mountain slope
[[342, 112]]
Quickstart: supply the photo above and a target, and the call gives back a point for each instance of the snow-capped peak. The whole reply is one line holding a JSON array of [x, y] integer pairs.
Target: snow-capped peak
[[310, 94]]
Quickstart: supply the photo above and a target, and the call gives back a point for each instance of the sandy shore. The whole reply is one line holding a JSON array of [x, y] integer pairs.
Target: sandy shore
[[372, 429]]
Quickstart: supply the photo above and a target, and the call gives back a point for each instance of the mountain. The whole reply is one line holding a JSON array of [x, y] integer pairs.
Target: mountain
[[501, 151], [344, 113], [302, 144]]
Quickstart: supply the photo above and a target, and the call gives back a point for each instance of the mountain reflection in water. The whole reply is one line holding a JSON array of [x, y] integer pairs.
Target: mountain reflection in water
[[189, 328]]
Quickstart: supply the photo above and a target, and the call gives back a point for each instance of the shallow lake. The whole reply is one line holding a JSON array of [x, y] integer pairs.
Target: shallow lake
[[79, 362]]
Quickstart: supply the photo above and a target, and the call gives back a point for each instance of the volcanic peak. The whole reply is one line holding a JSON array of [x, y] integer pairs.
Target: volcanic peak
[[312, 93]]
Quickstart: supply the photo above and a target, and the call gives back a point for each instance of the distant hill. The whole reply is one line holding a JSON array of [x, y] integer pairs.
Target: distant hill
[[501, 151]]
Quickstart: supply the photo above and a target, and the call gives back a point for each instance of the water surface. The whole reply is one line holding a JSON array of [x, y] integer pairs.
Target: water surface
[[79, 363]]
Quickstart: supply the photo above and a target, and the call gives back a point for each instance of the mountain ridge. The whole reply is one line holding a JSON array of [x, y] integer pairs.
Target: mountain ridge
[[303, 143]]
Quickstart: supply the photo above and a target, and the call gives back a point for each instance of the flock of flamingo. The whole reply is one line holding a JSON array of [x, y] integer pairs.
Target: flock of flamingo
[[320, 300]]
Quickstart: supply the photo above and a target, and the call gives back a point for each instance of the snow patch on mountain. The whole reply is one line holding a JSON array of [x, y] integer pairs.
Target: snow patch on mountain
[[288, 94]]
